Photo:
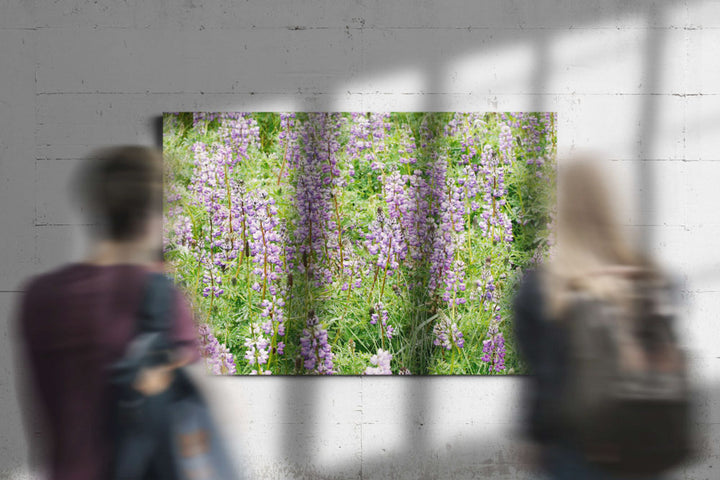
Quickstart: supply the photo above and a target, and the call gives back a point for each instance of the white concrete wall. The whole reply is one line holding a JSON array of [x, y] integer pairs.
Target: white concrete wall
[[637, 80]]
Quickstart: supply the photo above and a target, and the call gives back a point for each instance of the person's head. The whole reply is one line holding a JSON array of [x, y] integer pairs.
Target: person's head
[[122, 189], [590, 240], [587, 223]]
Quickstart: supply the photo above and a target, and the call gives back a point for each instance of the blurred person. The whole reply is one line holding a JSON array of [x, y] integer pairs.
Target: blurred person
[[76, 322], [608, 398]]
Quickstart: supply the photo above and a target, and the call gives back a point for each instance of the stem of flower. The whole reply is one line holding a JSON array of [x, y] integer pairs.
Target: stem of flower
[[339, 227], [229, 200], [265, 260], [452, 359], [284, 160], [387, 263], [382, 335]]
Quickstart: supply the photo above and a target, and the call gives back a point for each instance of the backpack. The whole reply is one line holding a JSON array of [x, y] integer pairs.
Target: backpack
[[627, 402], [170, 435]]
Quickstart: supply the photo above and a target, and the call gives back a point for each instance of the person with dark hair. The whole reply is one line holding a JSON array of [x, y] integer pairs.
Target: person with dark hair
[[77, 321]]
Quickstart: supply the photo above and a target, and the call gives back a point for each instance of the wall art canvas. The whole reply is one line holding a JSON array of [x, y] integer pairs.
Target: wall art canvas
[[356, 243]]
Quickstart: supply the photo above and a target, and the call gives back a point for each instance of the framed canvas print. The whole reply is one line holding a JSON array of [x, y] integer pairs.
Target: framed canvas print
[[356, 243]]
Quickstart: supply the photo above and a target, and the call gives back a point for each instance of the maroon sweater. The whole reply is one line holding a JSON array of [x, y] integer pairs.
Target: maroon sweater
[[75, 323]]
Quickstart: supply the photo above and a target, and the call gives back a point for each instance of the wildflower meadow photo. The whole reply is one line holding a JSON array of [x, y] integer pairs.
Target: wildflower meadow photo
[[357, 243]]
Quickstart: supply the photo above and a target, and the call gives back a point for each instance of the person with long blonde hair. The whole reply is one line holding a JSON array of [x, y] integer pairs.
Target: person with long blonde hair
[[591, 255]]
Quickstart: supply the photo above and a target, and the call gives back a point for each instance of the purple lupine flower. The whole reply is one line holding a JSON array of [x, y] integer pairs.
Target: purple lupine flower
[[469, 144], [207, 117], [314, 347], [211, 275], [428, 136], [384, 240], [454, 208], [226, 362], [217, 357], [382, 364], [317, 231], [464, 124], [289, 144], [239, 131], [495, 223], [534, 128], [506, 143], [183, 234], [272, 312], [366, 140], [170, 119], [531, 138], [394, 192], [212, 281], [494, 347], [471, 186], [415, 221], [355, 268], [441, 259], [324, 144], [469, 129], [214, 193], [172, 192], [453, 127], [485, 289], [265, 243], [217, 194], [257, 349], [379, 314], [311, 227], [447, 334], [205, 183], [392, 228], [379, 127], [455, 283], [444, 267], [513, 119], [274, 322], [359, 138], [406, 150]]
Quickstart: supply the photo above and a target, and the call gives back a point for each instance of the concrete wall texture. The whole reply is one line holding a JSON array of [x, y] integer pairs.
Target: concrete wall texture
[[638, 81]]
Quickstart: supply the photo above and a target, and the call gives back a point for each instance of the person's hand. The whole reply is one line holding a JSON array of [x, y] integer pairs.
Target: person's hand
[[155, 380]]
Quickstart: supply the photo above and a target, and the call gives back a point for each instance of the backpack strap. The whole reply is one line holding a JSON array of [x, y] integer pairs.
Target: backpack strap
[[135, 434], [154, 315], [152, 338]]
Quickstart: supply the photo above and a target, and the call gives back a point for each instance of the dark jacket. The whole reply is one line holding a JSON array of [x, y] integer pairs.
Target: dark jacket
[[544, 345]]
